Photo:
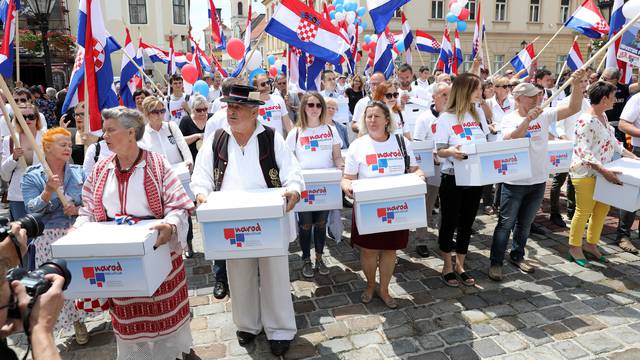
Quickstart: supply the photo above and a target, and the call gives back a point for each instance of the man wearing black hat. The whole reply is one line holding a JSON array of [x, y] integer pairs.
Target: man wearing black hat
[[257, 157]]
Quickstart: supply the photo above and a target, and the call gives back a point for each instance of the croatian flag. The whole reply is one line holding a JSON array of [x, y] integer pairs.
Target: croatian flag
[[457, 49], [426, 42], [588, 21], [75, 93], [383, 59], [407, 38], [381, 12], [154, 53], [171, 68], [315, 66], [247, 45], [574, 58], [8, 11], [445, 60], [130, 77], [97, 61], [617, 22], [217, 34], [478, 33], [297, 67], [299, 25], [524, 59]]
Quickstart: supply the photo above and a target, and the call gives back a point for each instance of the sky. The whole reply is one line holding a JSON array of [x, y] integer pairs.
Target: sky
[[225, 5]]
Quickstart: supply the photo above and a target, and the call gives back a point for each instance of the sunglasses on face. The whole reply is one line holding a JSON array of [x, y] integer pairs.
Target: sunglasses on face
[[316, 105], [201, 110], [503, 86], [263, 84], [158, 111], [30, 117], [22, 100], [79, 114], [390, 96]]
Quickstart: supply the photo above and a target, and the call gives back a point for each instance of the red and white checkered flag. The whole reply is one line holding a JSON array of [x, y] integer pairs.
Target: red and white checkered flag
[[92, 305]]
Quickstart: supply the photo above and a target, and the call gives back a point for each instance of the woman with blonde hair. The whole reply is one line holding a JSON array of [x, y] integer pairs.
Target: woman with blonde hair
[[316, 145], [378, 250], [460, 124], [355, 92], [40, 197], [388, 93]]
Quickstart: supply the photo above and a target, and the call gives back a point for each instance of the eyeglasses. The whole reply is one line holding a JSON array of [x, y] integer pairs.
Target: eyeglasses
[[392, 95], [158, 111], [30, 117], [263, 84], [22, 100], [316, 105], [201, 110], [503, 86], [79, 114]]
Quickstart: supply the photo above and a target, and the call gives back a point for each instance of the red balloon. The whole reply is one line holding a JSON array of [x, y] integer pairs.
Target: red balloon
[[235, 48], [372, 54], [464, 14], [189, 57], [365, 47], [189, 73], [331, 7], [273, 71]]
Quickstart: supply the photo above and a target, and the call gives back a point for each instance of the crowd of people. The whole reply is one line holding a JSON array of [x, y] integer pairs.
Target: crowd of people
[[248, 134]]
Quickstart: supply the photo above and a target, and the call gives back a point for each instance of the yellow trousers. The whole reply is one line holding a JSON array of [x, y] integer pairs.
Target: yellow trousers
[[589, 210]]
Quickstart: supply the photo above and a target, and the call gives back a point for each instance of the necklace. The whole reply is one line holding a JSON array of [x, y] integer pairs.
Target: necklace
[[121, 170]]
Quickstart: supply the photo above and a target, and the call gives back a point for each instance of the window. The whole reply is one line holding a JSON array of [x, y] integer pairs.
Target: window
[[179, 12], [498, 61], [437, 9], [501, 10], [137, 12], [468, 62], [564, 11], [534, 11], [240, 10], [434, 61], [471, 5], [560, 60], [397, 13]]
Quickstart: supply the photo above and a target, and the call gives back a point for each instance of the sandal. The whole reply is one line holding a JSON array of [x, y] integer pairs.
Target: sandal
[[390, 302], [366, 297], [467, 280], [582, 262], [626, 245], [601, 259], [449, 279]]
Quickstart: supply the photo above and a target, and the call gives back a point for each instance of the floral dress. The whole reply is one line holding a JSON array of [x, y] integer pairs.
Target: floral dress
[[595, 143]]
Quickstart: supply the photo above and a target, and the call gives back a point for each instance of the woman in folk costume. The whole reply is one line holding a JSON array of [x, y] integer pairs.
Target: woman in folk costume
[[134, 183]]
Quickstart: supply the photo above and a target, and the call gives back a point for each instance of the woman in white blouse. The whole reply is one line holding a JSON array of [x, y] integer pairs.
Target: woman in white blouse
[[594, 146], [387, 92]]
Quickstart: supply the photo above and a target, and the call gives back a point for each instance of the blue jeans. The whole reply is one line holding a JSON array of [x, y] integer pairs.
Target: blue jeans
[[17, 210], [518, 207]]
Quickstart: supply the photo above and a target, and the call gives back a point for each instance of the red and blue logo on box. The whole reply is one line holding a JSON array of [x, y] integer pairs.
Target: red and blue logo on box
[[97, 275], [237, 236], [388, 214], [556, 159], [309, 196], [502, 165]]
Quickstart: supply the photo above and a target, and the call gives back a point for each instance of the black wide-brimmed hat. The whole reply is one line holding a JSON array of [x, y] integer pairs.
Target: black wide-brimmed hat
[[243, 94]]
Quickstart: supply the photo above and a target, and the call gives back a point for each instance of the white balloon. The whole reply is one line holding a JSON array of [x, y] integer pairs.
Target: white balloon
[[351, 17], [351, 29], [278, 64], [456, 8], [255, 61], [374, 37], [631, 9], [340, 16], [360, 29]]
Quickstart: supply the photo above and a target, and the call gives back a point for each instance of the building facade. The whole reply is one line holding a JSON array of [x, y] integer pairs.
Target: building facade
[[510, 25]]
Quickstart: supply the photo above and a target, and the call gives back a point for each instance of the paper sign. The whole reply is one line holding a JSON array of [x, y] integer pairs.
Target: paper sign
[[630, 46]]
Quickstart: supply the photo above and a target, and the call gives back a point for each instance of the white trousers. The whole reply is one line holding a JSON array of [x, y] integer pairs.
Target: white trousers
[[261, 296]]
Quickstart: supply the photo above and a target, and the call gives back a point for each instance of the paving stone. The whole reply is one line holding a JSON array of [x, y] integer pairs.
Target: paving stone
[[629, 354], [483, 330], [569, 350], [335, 330], [472, 302], [511, 343], [399, 347], [542, 353], [434, 355], [499, 311], [556, 313], [611, 318], [535, 336], [334, 346], [331, 302], [457, 335], [486, 348], [583, 324], [461, 352], [598, 343], [558, 331], [400, 332], [366, 339], [600, 303], [620, 299], [368, 353], [532, 319], [429, 342], [474, 316]]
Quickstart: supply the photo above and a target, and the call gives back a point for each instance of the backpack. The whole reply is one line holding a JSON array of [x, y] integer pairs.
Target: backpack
[[267, 156]]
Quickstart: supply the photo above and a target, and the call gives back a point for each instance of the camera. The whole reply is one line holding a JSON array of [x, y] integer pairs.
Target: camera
[[31, 222]]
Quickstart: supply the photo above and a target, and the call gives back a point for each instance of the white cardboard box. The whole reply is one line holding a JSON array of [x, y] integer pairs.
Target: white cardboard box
[[108, 260], [423, 151], [182, 171], [245, 224], [625, 196], [390, 203], [560, 153], [322, 190], [493, 162]]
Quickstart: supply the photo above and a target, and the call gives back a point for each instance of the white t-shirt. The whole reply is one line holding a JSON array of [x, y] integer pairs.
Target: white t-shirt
[[368, 158], [163, 141], [450, 132], [358, 110], [215, 122], [217, 105], [176, 111], [538, 134], [272, 112], [425, 126], [567, 127], [419, 100], [399, 123], [314, 146], [500, 111], [631, 113], [342, 115], [213, 93]]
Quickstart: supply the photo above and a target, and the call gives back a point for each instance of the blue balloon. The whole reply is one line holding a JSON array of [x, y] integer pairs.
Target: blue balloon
[[367, 38], [271, 59], [462, 26], [339, 8], [400, 46], [364, 25], [361, 10], [256, 72], [332, 14], [338, 2], [451, 17], [201, 87], [351, 6]]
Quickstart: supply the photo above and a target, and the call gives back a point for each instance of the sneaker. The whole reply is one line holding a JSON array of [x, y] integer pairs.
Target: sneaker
[[557, 220], [307, 269], [495, 273], [522, 265], [82, 335], [321, 267]]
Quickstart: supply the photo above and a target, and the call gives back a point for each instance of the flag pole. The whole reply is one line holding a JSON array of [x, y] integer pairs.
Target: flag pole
[[252, 51], [564, 65], [12, 130], [86, 125], [27, 132], [144, 75], [508, 63], [419, 54], [547, 44], [602, 62], [486, 50], [600, 52], [17, 46]]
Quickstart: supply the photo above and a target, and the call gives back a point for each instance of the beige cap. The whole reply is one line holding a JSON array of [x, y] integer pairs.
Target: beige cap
[[526, 89]]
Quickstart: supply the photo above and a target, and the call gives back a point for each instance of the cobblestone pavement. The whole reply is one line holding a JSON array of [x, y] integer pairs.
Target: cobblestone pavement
[[561, 311]]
